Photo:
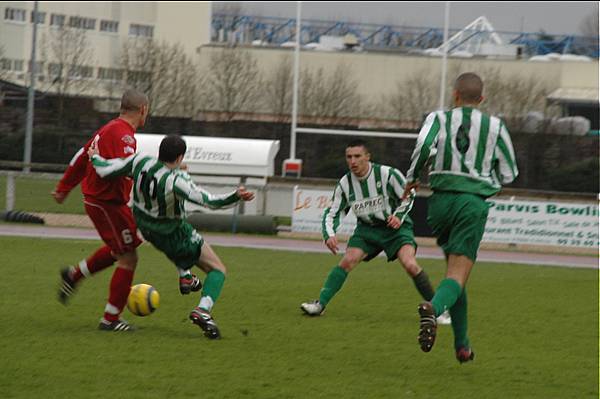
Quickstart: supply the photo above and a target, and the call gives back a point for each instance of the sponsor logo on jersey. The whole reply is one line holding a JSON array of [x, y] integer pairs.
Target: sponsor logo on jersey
[[368, 206], [129, 150], [127, 139]]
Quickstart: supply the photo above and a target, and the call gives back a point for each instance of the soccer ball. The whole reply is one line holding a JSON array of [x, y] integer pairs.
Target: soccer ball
[[143, 299]]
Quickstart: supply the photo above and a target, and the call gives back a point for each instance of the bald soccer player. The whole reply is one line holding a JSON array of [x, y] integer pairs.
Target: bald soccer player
[[470, 156], [105, 203]]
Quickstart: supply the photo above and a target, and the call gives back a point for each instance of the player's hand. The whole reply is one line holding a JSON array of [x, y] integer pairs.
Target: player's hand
[[93, 149], [332, 244], [244, 194], [59, 196], [394, 222], [409, 187]]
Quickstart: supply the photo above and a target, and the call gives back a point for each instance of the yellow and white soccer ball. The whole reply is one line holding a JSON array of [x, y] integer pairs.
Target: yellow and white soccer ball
[[143, 299]]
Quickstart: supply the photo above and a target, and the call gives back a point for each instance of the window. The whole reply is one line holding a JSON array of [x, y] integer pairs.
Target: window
[[137, 77], [109, 26], [39, 67], [81, 72], [82, 23], [141, 30], [57, 19], [110, 74], [54, 69], [18, 65], [5, 64], [41, 17], [14, 14]]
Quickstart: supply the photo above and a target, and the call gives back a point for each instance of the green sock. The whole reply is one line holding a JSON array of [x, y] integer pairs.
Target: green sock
[[334, 282], [446, 295], [423, 285], [213, 284], [458, 312]]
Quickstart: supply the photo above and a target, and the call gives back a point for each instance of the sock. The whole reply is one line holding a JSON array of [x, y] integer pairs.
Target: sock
[[100, 260], [446, 295], [333, 284], [423, 285], [212, 288], [120, 285], [458, 312], [184, 272]]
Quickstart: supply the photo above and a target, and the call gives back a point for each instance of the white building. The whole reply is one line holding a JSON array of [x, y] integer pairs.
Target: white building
[[106, 25]]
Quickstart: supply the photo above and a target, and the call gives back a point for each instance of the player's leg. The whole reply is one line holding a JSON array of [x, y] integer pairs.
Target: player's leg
[[118, 230], [466, 215], [334, 281], [215, 271], [407, 258], [98, 261]]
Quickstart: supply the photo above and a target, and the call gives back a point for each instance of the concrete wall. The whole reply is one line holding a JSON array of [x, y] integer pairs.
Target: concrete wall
[[378, 73]]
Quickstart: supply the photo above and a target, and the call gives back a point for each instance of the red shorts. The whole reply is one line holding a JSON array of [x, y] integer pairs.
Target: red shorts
[[115, 224]]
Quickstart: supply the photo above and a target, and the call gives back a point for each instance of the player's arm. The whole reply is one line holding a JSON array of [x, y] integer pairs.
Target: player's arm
[[73, 175], [397, 185], [332, 218], [185, 189], [425, 143], [505, 154], [107, 168]]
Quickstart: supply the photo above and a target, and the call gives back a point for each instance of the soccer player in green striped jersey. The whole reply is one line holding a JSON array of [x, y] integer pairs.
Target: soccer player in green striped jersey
[[470, 156], [160, 190], [373, 192]]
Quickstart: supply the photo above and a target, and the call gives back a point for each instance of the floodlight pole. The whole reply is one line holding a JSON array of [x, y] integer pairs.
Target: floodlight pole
[[445, 57], [296, 78], [30, 95]]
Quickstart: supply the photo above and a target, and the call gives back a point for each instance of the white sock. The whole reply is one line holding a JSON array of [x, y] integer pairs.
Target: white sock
[[184, 272], [206, 303]]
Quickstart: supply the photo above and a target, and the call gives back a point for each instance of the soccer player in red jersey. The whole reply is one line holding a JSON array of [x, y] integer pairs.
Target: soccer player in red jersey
[[105, 202]]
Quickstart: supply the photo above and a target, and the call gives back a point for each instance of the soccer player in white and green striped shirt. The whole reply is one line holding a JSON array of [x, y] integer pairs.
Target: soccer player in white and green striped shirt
[[159, 193], [374, 194], [470, 156]]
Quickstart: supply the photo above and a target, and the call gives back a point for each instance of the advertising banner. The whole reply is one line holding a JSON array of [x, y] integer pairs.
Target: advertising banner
[[509, 221]]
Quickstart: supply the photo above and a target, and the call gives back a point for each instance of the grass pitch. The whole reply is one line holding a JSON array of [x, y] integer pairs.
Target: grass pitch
[[534, 331]]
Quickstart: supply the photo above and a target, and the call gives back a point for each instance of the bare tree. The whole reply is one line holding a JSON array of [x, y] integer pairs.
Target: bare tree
[[589, 25], [333, 96], [514, 96], [232, 84], [70, 62], [415, 96], [164, 72], [278, 89]]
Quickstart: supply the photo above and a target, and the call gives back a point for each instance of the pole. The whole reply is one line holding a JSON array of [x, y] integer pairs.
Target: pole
[[296, 78], [30, 95], [445, 56]]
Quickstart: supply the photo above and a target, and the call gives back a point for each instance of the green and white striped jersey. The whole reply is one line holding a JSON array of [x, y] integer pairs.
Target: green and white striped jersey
[[469, 152], [372, 199], [159, 193]]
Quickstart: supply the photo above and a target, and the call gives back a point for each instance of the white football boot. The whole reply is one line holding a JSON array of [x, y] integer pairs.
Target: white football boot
[[313, 308]]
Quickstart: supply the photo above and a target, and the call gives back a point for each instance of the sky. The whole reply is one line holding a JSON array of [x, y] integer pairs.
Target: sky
[[552, 17]]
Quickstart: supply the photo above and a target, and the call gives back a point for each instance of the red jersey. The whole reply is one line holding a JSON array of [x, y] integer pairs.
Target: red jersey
[[114, 140]]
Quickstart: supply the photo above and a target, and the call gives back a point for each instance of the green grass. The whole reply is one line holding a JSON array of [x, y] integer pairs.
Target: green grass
[[534, 331], [33, 195]]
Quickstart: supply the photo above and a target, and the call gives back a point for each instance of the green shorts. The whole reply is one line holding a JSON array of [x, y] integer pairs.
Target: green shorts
[[182, 246], [374, 239], [458, 221]]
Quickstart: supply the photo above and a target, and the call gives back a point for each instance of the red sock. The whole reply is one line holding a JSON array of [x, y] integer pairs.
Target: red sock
[[120, 285], [100, 260]]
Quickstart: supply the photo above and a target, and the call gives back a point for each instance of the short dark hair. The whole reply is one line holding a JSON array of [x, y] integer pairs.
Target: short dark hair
[[469, 87], [358, 143], [171, 147], [133, 100]]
